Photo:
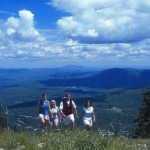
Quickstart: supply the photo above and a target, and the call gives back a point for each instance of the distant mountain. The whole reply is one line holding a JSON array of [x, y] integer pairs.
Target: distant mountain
[[71, 68], [109, 78], [74, 68]]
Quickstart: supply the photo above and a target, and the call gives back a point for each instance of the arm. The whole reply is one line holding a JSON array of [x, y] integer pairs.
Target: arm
[[61, 112], [58, 113], [93, 116], [75, 112], [74, 109], [50, 112], [37, 110]]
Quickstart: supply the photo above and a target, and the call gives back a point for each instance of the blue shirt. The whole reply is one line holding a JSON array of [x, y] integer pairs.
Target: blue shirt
[[88, 112], [44, 107]]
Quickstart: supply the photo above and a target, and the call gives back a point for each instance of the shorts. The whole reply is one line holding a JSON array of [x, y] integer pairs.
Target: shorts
[[87, 121], [54, 120], [46, 117], [68, 119]]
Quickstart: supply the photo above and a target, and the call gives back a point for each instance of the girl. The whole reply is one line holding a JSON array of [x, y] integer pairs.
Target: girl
[[88, 115], [56, 115], [44, 111]]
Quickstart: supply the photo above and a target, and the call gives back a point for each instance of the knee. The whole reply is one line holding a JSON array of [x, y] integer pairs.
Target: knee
[[56, 124], [42, 121], [72, 121]]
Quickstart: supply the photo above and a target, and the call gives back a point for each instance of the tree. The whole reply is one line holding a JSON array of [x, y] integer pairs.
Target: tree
[[143, 119], [3, 117]]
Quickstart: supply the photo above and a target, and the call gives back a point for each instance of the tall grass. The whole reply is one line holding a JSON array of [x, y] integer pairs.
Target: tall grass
[[67, 140]]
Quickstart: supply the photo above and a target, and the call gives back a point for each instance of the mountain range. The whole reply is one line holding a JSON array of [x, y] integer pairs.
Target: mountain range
[[107, 79]]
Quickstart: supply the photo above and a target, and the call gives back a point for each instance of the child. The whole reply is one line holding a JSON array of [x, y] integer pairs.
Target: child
[[56, 115]]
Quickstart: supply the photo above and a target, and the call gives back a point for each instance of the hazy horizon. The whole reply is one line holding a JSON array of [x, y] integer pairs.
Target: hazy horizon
[[87, 67]]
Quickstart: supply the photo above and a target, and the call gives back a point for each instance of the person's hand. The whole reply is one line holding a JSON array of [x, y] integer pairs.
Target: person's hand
[[77, 116], [60, 121], [64, 116], [94, 120]]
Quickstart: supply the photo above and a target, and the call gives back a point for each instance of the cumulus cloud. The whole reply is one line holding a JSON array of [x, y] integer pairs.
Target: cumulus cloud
[[23, 27], [100, 21], [91, 25], [69, 51]]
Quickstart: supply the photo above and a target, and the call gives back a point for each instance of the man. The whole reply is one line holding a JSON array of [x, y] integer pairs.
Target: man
[[67, 108]]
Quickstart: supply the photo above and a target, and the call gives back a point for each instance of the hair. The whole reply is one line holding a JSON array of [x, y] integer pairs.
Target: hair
[[44, 94], [52, 102], [67, 93], [85, 104]]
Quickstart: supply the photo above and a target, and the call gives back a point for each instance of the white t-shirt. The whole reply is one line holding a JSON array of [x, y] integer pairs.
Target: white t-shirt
[[68, 102], [55, 112], [88, 112]]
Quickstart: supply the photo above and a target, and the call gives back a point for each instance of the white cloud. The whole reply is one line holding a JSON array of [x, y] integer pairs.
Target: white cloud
[[38, 54], [70, 42], [90, 22], [12, 22], [21, 52], [11, 31], [101, 21], [23, 27]]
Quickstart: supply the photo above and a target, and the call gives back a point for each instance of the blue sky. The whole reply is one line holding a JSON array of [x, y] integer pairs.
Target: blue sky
[[94, 33]]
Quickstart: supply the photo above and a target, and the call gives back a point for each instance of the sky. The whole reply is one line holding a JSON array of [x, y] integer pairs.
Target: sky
[[91, 33]]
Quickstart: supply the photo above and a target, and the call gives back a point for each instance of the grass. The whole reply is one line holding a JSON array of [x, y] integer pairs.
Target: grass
[[68, 140]]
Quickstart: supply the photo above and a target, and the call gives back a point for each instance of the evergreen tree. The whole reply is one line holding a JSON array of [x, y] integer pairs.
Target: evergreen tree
[[143, 120], [3, 117]]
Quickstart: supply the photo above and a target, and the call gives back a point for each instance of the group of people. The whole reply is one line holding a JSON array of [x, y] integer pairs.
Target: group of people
[[49, 113]]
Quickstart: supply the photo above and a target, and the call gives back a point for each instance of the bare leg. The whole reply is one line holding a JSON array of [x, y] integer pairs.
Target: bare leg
[[56, 125], [46, 123], [53, 126], [89, 128], [43, 123], [72, 124]]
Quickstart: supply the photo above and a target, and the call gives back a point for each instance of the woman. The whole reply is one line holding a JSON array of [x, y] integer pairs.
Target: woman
[[44, 111], [56, 115], [88, 115]]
